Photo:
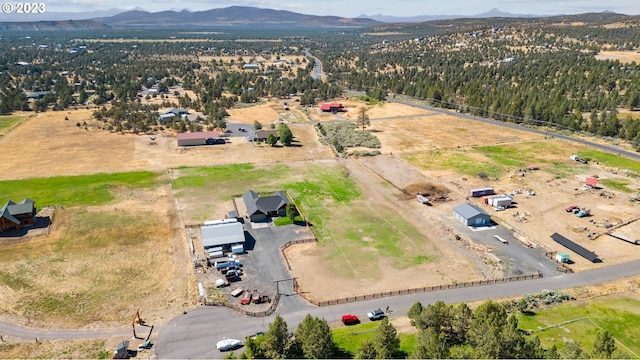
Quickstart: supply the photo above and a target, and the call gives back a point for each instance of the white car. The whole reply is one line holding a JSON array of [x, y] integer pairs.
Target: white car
[[228, 344], [376, 314]]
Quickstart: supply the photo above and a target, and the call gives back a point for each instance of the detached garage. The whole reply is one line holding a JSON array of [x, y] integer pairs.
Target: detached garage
[[471, 215], [195, 138]]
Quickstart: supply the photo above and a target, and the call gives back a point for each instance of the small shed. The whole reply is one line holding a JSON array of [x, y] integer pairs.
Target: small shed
[[471, 215], [592, 182]]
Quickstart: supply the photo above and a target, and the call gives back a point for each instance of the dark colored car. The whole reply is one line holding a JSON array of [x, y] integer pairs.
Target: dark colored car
[[214, 141]]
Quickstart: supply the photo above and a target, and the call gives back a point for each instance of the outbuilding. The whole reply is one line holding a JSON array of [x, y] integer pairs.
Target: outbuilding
[[217, 235], [481, 192], [332, 107], [471, 215], [196, 138]]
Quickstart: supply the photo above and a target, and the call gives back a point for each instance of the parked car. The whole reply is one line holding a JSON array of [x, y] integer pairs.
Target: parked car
[[228, 344], [350, 319], [376, 314], [214, 141], [570, 208], [255, 336]]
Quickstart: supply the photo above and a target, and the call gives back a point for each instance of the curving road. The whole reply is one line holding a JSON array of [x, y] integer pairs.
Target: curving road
[[194, 335]]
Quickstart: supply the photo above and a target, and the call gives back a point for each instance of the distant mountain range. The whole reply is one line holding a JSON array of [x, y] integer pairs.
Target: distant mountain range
[[234, 16], [422, 18]]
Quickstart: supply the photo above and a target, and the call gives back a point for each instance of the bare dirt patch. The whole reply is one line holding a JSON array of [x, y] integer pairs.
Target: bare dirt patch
[[625, 57]]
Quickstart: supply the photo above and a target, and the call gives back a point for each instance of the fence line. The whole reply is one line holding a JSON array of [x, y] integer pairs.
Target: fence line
[[420, 290], [286, 245], [270, 310]]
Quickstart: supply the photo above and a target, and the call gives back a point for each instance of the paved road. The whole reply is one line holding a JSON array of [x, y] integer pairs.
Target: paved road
[[317, 66], [194, 335]]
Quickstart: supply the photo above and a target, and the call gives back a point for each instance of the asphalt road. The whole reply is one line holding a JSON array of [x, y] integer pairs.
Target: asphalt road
[[194, 335]]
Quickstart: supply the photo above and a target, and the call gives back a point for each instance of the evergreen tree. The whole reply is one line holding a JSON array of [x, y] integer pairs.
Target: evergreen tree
[[286, 137], [573, 350], [276, 339], [604, 345], [387, 342], [367, 350], [363, 118], [315, 338], [272, 140], [431, 345]]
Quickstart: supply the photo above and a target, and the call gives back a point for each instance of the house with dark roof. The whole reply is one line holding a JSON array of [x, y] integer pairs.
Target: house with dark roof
[[471, 215], [263, 135], [261, 208], [14, 216]]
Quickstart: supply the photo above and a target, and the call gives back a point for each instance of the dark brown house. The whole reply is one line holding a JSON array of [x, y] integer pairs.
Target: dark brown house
[[14, 216], [261, 208]]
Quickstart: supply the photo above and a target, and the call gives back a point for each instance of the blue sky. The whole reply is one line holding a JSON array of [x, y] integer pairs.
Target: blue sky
[[353, 8]]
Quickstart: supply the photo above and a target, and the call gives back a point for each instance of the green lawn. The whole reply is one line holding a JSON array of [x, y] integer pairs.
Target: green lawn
[[461, 161], [350, 338], [356, 232], [7, 122], [619, 316], [617, 184], [609, 159], [74, 190]]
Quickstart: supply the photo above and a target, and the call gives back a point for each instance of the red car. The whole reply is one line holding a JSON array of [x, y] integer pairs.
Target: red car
[[350, 319]]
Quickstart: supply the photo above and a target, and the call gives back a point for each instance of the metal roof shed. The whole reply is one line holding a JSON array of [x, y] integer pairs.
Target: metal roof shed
[[222, 234], [471, 215]]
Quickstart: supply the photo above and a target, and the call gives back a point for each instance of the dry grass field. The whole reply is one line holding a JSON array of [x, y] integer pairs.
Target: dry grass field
[[625, 57], [428, 148]]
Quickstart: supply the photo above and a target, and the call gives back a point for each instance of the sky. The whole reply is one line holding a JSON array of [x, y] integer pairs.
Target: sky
[[354, 8]]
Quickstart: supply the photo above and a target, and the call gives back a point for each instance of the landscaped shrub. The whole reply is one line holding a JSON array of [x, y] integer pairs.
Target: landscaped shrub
[[347, 135]]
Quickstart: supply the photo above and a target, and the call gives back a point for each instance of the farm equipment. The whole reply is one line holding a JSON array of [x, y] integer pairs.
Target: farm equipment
[[255, 297], [246, 298]]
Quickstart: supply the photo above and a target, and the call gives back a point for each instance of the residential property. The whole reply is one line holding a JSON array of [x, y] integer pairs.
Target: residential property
[[177, 112], [14, 216], [262, 135], [262, 208], [166, 117], [197, 138], [471, 215], [332, 107]]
